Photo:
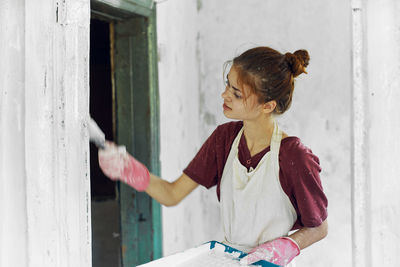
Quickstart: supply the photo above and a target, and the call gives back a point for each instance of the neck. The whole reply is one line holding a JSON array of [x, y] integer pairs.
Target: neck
[[258, 132]]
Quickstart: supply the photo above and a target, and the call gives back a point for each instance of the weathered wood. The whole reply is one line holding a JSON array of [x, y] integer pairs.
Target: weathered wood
[[124, 8], [155, 129], [13, 213], [137, 128], [44, 170], [361, 243]]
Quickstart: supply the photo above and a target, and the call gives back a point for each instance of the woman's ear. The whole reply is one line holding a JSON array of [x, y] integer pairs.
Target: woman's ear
[[269, 106]]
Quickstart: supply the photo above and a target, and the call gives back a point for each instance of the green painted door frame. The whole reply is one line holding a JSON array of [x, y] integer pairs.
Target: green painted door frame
[[135, 83], [138, 128]]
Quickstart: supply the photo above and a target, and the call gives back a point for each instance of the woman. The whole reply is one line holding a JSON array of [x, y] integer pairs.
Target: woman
[[267, 182]]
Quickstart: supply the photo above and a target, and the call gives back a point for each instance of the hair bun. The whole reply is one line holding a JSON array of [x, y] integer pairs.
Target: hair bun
[[298, 61]]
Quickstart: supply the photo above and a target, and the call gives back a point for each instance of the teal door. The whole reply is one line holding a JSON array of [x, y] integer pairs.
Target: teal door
[[137, 128], [136, 116]]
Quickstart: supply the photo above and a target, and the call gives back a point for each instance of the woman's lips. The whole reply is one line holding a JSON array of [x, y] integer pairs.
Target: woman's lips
[[226, 107]]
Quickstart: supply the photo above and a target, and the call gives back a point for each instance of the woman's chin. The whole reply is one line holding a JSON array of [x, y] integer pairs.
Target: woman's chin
[[229, 116]]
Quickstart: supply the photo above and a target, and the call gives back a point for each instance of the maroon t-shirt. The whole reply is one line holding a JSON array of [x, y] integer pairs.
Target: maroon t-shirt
[[298, 173]]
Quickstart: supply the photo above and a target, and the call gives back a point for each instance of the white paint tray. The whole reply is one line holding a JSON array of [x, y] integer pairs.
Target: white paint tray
[[210, 254]]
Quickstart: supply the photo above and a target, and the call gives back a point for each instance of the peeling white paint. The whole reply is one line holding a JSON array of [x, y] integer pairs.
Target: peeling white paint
[[44, 182]]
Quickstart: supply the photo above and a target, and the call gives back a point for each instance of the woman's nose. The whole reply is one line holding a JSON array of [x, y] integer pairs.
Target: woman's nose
[[224, 93]]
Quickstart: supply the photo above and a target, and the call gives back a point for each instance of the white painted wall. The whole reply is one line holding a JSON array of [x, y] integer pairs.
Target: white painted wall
[[383, 125], [44, 179], [195, 39], [180, 130]]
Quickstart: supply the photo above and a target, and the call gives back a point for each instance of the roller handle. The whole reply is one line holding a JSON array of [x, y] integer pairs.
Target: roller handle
[[96, 135]]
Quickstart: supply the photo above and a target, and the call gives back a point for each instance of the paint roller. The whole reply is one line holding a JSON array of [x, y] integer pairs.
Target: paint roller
[[96, 135]]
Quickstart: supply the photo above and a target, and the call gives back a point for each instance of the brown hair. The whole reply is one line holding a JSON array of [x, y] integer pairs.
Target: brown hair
[[271, 74]]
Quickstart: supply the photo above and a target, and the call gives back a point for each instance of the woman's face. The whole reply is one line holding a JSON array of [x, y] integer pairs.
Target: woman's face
[[239, 102]]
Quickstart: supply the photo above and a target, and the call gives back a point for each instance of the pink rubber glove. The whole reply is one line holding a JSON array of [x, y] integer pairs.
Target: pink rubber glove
[[118, 164], [280, 251]]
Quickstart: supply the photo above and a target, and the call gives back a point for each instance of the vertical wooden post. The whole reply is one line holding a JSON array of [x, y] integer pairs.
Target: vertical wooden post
[[45, 190], [376, 147], [13, 213], [360, 167], [57, 150], [155, 129]]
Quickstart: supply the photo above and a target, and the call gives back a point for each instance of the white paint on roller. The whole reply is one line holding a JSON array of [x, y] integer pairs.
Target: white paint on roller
[[96, 135]]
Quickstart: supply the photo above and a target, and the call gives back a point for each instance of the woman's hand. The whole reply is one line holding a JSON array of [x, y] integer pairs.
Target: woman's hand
[[111, 160], [118, 164], [280, 251]]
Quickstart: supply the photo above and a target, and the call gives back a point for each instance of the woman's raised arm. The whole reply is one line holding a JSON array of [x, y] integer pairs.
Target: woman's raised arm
[[170, 193]]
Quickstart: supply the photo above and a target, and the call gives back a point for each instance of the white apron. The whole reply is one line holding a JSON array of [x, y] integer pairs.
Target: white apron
[[254, 207]]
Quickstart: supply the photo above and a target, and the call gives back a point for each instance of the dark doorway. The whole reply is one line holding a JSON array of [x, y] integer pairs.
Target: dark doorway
[[126, 224], [106, 240]]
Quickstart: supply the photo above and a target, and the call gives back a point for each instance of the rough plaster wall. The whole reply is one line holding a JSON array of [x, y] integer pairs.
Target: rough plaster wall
[[383, 118], [179, 115], [320, 113], [44, 142]]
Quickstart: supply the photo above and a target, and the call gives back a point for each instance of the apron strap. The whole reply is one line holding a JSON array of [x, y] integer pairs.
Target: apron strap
[[276, 139]]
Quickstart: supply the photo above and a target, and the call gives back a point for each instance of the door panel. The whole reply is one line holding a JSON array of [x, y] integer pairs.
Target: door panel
[[137, 129]]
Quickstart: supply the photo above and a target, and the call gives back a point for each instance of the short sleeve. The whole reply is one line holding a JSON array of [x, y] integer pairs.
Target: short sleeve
[[203, 167], [301, 178]]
